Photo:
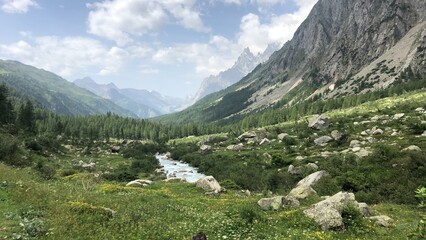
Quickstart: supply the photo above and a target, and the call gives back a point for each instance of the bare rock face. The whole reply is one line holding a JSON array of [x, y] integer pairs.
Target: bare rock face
[[209, 184]]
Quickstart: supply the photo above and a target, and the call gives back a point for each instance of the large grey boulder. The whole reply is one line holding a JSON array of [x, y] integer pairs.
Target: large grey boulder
[[274, 203], [247, 135], [323, 141], [205, 149], [319, 122], [304, 188], [209, 184], [328, 213]]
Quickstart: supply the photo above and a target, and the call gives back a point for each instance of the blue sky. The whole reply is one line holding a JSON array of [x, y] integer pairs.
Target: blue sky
[[168, 46]]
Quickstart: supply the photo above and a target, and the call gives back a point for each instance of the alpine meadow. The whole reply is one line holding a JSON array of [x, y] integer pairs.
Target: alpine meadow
[[248, 131]]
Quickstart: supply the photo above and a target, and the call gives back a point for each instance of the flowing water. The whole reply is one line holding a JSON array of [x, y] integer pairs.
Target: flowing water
[[174, 168]]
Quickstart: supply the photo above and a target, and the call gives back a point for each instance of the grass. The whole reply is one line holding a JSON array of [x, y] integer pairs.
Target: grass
[[69, 209]]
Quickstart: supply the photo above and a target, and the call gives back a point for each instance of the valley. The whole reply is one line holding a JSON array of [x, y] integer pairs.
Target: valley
[[317, 135]]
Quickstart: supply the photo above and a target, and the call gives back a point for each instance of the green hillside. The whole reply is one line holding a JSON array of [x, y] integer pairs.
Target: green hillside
[[53, 92]]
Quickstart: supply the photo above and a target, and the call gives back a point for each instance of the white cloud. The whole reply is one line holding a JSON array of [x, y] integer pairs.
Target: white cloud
[[257, 35], [122, 20], [66, 56], [17, 6], [145, 69], [209, 58]]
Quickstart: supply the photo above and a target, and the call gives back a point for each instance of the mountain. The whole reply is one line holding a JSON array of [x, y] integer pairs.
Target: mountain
[[342, 48], [245, 63], [55, 93], [143, 103]]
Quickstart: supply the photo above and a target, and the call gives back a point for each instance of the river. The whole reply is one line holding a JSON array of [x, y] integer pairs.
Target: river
[[174, 168]]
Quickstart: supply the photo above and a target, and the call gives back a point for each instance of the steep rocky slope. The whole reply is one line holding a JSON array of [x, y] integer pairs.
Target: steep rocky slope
[[331, 53]]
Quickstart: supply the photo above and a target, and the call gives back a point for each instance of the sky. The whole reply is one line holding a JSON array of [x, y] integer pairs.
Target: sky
[[168, 46]]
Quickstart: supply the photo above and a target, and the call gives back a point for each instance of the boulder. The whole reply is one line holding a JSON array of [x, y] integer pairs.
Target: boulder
[[424, 134], [264, 142], [139, 183], [355, 143], [205, 149], [312, 166], [336, 135], [420, 110], [290, 202], [412, 148], [323, 141], [294, 170], [281, 136], [381, 220], [364, 209], [302, 192], [247, 135], [175, 179], [304, 188], [274, 203], [209, 184], [398, 116], [115, 149], [312, 179], [328, 213], [319, 122], [378, 132], [362, 153]]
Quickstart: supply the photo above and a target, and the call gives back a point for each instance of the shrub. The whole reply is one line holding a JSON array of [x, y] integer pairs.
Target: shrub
[[352, 217]]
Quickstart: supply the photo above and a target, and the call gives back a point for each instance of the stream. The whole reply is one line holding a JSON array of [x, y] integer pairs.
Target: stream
[[174, 168]]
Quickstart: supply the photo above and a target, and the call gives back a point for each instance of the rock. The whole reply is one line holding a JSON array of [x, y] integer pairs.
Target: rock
[[364, 133], [322, 141], [420, 110], [115, 149], [355, 143], [168, 155], [139, 183], [209, 184], [246, 192], [237, 147], [312, 179], [300, 158], [336, 135], [412, 148], [267, 155], [319, 122], [424, 134], [247, 135], [381, 220], [364, 209], [362, 153], [378, 132], [274, 203], [304, 188], [328, 213], [356, 149], [281, 136], [294, 170], [312, 166], [264, 142], [398, 116], [205, 149], [175, 179], [290, 202]]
